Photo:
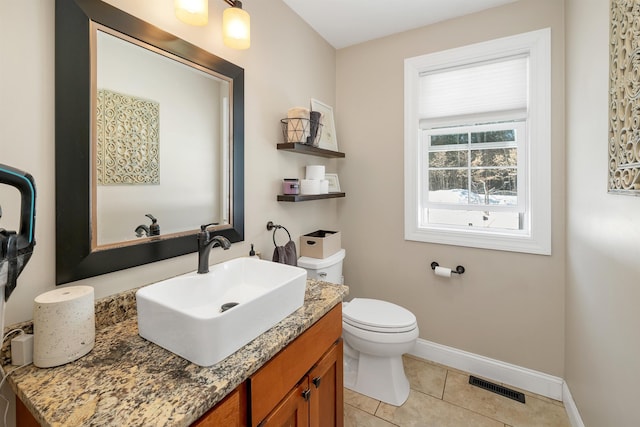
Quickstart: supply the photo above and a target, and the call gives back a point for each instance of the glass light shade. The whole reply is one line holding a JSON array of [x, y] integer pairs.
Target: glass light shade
[[192, 12], [236, 28]]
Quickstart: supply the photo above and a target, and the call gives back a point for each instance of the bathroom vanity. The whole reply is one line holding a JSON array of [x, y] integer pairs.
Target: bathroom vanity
[[292, 371]]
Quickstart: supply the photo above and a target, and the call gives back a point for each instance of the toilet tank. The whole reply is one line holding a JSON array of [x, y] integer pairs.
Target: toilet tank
[[326, 269]]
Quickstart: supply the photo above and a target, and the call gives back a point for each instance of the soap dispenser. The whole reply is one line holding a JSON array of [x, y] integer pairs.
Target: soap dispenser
[[252, 253]]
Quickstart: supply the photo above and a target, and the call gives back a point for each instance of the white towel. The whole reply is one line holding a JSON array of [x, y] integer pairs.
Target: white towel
[[298, 129]]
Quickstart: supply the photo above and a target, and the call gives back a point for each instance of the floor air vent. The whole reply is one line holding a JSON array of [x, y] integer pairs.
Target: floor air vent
[[503, 391]]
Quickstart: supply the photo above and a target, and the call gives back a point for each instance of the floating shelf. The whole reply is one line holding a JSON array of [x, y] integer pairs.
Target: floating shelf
[[308, 149], [305, 197]]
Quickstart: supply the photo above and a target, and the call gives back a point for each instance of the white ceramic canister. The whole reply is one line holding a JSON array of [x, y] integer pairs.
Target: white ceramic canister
[[64, 326]]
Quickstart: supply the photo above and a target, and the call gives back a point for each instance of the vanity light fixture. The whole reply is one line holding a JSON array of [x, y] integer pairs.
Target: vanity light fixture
[[236, 26], [192, 12], [236, 22]]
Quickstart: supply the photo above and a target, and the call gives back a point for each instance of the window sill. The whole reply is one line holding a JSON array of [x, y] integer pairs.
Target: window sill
[[510, 242]]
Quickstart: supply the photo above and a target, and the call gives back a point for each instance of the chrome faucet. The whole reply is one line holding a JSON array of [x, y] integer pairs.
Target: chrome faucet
[[205, 243]]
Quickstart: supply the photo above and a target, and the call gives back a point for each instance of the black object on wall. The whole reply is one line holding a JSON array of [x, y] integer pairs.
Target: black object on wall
[[16, 248]]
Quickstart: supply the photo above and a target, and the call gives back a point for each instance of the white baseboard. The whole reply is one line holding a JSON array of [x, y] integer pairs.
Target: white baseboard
[[495, 370], [570, 407]]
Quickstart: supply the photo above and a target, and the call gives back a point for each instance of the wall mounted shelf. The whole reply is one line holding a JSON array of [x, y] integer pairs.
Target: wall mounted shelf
[[306, 197], [309, 149]]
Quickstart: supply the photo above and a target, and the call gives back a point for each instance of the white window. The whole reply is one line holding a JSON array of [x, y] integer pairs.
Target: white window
[[477, 145]]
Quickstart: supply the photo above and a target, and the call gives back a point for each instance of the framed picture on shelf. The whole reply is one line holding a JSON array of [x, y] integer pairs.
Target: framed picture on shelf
[[334, 184], [328, 139]]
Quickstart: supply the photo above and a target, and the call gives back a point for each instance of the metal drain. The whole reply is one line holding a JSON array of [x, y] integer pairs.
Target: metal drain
[[226, 306], [498, 389]]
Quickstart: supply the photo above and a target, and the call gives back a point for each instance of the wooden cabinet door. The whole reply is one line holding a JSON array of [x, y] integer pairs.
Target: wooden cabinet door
[[23, 416], [293, 410], [326, 384], [229, 412], [271, 383]]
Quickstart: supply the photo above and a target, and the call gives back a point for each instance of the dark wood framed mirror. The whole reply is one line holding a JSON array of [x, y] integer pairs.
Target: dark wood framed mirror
[[79, 253]]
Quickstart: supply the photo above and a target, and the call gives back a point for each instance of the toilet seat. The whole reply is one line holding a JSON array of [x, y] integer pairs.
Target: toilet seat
[[378, 316], [378, 338]]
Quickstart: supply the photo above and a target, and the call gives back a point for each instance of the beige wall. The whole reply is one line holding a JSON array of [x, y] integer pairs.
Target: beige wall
[[602, 365], [508, 306], [288, 64]]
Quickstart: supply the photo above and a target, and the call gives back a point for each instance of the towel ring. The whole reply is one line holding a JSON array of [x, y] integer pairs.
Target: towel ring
[[276, 227]]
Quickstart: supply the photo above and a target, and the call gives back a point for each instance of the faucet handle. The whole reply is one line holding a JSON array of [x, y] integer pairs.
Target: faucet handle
[[154, 228], [205, 226]]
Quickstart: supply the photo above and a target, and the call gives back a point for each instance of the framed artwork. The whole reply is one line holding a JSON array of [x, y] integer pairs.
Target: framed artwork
[[334, 184], [624, 102], [328, 139]]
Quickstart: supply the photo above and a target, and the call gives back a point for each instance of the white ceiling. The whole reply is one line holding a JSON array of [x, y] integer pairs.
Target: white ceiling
[[347, 22]]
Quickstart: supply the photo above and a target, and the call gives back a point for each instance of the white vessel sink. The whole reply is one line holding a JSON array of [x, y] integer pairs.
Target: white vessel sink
[[184, 314]]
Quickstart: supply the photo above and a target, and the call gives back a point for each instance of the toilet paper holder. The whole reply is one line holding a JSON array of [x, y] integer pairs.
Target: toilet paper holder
[[459, 269]]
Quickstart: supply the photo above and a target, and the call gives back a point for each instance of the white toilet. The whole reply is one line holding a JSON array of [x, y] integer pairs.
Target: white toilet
[[376, 334]]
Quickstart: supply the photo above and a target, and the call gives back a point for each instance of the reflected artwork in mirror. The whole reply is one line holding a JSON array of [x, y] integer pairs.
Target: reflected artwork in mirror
[[149, 128], [149, 142]]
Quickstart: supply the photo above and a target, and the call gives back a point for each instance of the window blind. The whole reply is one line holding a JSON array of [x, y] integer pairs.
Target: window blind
[[481, 88]]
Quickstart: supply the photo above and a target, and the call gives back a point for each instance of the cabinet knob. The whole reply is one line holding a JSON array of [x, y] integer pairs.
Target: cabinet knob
[[306, 394], [316, 381]]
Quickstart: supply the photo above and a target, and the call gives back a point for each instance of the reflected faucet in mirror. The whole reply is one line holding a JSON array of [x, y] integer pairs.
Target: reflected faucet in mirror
[[205, 243], [152, 230]]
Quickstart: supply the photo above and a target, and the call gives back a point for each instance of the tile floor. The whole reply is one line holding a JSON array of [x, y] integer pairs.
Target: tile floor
[[442, 397]]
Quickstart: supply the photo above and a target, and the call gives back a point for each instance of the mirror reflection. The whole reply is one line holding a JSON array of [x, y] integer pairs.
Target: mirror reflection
[[171, 127], [161, 149]]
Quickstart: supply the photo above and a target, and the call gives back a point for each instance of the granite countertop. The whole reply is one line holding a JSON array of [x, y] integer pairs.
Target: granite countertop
[[126, 380]]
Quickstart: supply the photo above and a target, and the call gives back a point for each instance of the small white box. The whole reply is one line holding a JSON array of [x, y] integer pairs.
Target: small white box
[[22, 350]]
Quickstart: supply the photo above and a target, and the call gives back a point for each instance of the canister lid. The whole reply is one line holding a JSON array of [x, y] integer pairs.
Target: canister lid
[[61, 295]]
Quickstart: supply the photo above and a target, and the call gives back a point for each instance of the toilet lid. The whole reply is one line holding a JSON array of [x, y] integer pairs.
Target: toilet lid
[[379, 316]]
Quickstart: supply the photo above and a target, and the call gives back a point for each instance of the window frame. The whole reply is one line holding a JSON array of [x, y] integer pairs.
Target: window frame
[[536, 45]]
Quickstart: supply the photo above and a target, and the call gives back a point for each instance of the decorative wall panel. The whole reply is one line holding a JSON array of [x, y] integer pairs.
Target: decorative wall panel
[[128, 139], [624, 97]]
